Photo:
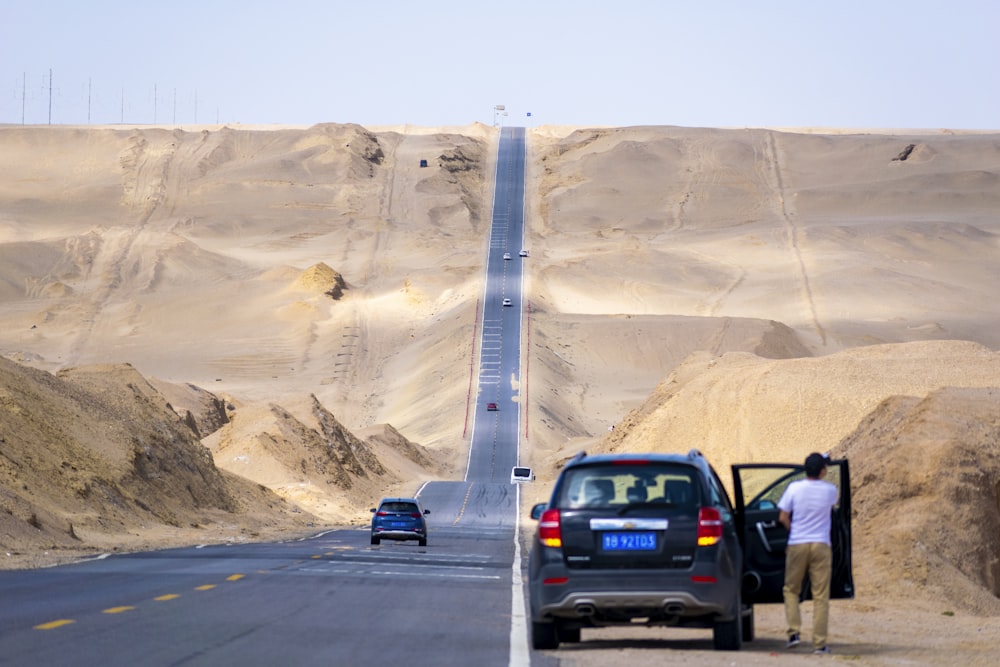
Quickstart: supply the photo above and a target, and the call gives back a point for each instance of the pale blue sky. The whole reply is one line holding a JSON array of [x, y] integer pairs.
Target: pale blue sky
[[731, 63]]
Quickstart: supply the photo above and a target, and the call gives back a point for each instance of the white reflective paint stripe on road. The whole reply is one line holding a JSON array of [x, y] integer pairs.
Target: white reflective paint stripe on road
[[424, 575], [519, 656], [459, 560], [359, 572]]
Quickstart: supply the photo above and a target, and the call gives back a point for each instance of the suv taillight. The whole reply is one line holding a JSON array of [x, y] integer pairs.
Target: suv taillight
[[709, 526], [549, 531]]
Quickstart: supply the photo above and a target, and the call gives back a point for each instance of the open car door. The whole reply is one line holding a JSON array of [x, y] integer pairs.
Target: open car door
[[757, 489]]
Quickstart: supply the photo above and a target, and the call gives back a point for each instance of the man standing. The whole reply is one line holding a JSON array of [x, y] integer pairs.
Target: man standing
[[806, 509]]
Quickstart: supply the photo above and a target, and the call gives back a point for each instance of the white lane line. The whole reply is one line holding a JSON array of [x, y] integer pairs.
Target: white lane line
[[519, 656], [366, 572]]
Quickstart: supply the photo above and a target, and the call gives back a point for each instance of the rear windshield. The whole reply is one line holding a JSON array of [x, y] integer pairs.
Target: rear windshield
[[398, 507], [620, 485], [522, 472]]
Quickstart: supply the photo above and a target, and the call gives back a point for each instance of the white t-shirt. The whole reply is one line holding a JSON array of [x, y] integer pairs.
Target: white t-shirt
[[809, 501]]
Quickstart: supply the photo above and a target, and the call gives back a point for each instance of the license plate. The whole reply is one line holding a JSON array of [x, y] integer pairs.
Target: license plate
[[399, 524], [631, 541]]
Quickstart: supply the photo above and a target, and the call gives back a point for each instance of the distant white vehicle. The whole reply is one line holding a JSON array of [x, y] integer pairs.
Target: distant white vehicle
[[523, 253], [508, 302], [506, 255], [520, 474]]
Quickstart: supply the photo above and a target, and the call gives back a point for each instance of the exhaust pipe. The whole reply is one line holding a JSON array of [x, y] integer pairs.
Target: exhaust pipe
[[585, 609], [673, 608]]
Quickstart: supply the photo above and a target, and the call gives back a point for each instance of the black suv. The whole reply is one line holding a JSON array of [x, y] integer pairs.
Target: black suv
[[653, 539]]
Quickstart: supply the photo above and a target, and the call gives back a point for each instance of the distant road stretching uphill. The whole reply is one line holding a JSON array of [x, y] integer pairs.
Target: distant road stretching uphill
[[333, 599], [494, 439]]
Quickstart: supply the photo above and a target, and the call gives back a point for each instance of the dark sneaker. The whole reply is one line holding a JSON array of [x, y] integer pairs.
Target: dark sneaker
[[822, 650], [793, 640]]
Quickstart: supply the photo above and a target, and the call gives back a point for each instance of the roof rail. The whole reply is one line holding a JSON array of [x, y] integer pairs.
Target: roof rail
[[695, 454]]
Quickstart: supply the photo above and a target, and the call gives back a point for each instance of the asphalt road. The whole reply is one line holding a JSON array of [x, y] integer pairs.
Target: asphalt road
[[495, 434], [332, 599]]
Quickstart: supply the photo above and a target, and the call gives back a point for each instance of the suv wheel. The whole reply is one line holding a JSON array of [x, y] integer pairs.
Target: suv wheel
[[543, 636], [375, 540], [728, 635], [422, 541], [748, 626], [567, 635]]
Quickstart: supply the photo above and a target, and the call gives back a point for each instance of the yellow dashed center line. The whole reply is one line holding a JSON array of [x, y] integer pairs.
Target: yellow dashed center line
[[51, 625], [464, 503], [118, 610]]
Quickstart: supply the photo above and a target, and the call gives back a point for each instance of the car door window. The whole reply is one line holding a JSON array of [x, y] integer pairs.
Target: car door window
[[762, 488]]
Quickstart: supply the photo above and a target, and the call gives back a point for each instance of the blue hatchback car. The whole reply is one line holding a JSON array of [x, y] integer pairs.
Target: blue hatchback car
[[399, 519]]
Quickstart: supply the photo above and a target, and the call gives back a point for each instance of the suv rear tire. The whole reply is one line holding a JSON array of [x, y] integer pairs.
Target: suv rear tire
[[567, 635], [748, 624], [543, 636], [728, 635]]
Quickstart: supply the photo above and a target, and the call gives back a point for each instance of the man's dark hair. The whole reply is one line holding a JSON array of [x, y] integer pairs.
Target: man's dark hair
[[814, 464]]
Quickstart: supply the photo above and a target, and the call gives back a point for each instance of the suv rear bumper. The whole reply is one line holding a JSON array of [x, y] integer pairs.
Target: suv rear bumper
[[608, 596], [584, 604], [392, 534]]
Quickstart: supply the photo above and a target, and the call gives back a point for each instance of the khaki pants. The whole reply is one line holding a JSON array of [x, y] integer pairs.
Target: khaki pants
[[817, 559]]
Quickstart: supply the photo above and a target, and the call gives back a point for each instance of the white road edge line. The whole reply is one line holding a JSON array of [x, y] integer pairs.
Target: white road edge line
[[519, 656]]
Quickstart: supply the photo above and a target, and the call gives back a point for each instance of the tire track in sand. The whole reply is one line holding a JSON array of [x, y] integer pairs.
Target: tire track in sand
[[794, 234], [150, 181]]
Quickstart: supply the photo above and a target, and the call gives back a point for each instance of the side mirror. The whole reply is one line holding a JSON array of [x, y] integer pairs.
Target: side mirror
[[373, 510], [536, 511], [427, 511]]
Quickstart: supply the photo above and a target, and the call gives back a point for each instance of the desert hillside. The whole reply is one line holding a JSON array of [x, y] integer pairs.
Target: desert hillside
[[95, 459], [288, 314]]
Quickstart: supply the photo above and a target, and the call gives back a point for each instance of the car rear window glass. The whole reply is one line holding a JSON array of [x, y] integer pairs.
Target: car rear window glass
[[620, 485], [398, 507]]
